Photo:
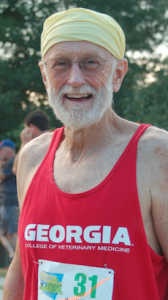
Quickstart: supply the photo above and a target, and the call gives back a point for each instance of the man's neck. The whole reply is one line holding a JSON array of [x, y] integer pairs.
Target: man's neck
[[88, 139]]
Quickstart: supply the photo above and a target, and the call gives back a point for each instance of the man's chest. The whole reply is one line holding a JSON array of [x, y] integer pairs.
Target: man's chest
[[87, 173]]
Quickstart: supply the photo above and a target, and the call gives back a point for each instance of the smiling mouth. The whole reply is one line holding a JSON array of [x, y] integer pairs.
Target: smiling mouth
[[74, 97]]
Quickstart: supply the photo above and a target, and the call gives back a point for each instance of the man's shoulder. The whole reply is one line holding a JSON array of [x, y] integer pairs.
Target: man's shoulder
[[33, 153], [154, 137], [37, 146], [30, 158], [153, 145]]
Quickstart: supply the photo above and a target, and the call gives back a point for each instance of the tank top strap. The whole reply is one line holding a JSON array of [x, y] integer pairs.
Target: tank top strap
[[47, 163], [140, 131], [131, 148], [55, 140], [129, 154], [59, 131], [127, 159], [50, 155]]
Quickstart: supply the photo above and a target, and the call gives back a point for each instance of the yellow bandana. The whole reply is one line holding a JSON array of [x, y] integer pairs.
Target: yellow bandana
[[79, 24]]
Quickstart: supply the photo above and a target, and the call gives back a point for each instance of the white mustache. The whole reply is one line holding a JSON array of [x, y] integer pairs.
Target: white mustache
[[80, 90]]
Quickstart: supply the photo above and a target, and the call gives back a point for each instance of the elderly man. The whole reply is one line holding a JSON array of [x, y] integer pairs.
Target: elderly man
[[93, 194]]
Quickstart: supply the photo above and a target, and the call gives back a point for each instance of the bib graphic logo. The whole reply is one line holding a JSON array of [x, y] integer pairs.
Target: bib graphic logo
[[51, 284]]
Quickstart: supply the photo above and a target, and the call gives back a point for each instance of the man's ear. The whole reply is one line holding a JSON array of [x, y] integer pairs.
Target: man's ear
[[41, 66], [119, 73]]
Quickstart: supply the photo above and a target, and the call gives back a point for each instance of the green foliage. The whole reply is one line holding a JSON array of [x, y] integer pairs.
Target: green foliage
[[20, 29], [144, 24], [155, 99]]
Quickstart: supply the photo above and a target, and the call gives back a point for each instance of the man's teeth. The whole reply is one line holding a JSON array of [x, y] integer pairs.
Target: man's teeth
[[77, 96]]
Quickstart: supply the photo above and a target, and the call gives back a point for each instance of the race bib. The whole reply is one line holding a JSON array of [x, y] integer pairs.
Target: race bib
[[71, 282]]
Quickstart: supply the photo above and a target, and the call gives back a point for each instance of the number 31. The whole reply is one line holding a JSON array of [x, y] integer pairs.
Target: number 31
[[80, 289]]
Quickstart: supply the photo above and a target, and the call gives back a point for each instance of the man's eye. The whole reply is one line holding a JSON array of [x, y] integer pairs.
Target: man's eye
[[58, 64], [61, 64], [90, 63]]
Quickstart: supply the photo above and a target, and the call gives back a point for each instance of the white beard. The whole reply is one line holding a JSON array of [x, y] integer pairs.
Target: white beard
[[78, 117]]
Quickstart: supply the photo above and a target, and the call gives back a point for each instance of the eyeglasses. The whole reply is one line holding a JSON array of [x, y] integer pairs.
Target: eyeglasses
[[87, 64]]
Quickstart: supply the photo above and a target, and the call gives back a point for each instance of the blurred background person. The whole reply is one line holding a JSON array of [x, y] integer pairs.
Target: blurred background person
[[35, 124], [9, 210]]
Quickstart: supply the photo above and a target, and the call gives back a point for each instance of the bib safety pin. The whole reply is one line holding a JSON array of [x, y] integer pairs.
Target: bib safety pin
[[36, 262]]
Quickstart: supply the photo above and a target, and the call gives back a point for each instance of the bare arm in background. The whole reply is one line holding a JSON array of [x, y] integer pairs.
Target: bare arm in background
[[26, 136], [14, 282], [2, 175]]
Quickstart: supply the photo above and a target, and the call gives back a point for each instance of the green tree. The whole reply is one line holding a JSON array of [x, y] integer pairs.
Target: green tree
[[20, 29], [155, 98]]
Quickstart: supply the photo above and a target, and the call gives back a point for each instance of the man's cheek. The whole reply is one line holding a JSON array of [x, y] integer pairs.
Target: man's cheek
[[100, 81]]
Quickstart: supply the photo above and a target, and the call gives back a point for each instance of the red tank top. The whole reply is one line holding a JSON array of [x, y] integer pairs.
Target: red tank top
[[101, 227]]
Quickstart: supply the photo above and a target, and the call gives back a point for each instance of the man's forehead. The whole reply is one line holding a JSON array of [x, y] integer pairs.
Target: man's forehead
[[80, 48]]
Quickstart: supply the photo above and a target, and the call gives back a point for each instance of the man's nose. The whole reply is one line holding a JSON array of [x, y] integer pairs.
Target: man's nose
[[76, 78]]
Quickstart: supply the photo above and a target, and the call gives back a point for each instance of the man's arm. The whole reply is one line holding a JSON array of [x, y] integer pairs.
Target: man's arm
[[14, 282], [152, 175], [26, 136], [159, 196]]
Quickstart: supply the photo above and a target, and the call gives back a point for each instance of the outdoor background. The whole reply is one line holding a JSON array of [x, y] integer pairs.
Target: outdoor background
[[144, 93]]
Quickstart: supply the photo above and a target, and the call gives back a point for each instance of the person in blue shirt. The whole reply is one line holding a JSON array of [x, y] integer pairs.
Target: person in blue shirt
[[9, 210]]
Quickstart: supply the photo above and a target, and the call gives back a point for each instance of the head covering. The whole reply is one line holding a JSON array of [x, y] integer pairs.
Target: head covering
[[7, 143], [79, 24]]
